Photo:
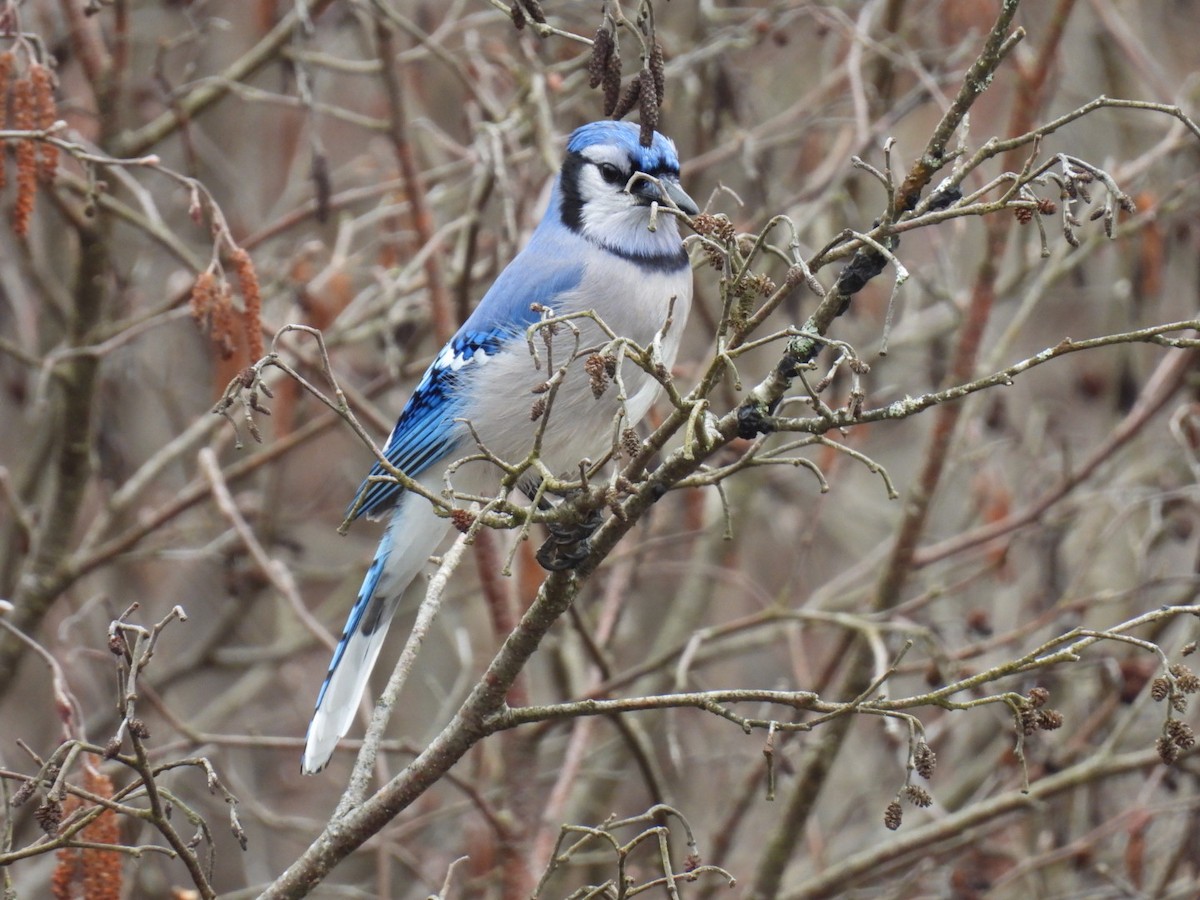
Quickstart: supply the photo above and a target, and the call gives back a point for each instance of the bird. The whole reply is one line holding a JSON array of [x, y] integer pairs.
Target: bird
[[602, 245]]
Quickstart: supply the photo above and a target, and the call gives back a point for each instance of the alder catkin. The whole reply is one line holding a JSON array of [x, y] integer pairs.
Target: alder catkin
[[243, 265], [602, 49], [101, 868], [648, 110], [657, 69], [45, 115], [612, 82], [6, 67], [629, 99], [204, 298], [26, 153]]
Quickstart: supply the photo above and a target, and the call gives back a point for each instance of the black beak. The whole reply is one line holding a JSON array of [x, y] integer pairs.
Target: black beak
[[649, 192]]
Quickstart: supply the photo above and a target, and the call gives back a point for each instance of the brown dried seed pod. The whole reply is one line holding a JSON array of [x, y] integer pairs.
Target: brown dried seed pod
[[893, 815], [322, 186], [204, 297], [46, 114], [67, 872], [602, 48], [1160, 688], [1038, 697], [462, 520], [715, 257], [1181, 734], [612, 81], [116, 644], [1049, 719], [26, 153], [631, 444], [22, 794], [597, 372], [704, 223], [7, 61], [629, 98], [6, 67], [101, 868], [918, 796], [534, 9], [222, 321], [648, 106], [657, 67], [243, 265], [924, 760], [1167, 751], [517, 15], [1185, 678], [49, 815], [1024, 215], [538, 409], [764, 285]]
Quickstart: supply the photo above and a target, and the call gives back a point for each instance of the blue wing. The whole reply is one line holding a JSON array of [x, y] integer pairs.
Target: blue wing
[[426, 431]]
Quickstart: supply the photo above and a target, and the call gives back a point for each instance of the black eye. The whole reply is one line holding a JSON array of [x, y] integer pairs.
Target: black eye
[[611, 173]]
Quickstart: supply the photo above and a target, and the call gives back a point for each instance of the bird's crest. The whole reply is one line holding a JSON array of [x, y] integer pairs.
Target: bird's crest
[[659, 158]]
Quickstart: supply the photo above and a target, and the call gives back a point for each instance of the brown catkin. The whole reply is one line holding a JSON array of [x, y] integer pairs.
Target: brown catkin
[[252, 297], [26, 152], [46, 114], [924, 760], [602, 48], [534, 9], [101, 868], [222, 320], [204, 297], [629, 99], [612, 81], [893, 816], [648, 109], [657, 69], [67, 872], [6, 67]]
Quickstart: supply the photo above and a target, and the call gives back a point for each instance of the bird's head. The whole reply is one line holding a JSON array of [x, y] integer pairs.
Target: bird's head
[[609, 181]]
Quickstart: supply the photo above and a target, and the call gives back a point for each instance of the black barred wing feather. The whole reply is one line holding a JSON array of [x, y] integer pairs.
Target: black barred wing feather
[[427, 431]]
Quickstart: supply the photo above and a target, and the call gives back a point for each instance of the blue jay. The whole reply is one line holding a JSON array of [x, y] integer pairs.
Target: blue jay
[[594, 249]]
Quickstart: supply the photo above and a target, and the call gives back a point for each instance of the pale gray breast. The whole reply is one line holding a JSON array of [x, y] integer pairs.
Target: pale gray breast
[[634, 304]]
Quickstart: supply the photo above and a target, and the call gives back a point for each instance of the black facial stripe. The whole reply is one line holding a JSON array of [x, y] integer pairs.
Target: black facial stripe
[[572, 205], [572, 199], [667, 261], [572, 217]]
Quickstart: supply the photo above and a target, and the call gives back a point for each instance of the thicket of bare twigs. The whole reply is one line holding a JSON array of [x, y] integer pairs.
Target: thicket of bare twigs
[[895, 596]]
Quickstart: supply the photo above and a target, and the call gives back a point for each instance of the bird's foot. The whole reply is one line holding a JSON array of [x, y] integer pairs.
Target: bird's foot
[[568, 545]]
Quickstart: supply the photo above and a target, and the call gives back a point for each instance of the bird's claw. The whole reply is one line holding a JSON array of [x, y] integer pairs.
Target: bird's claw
[[568, 545]]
